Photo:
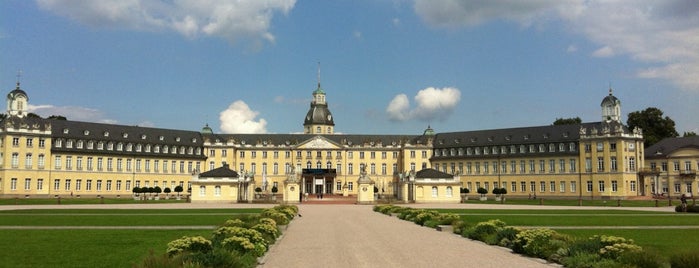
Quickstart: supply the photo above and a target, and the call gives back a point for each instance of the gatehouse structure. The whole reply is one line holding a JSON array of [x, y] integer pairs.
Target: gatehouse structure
[[42, 158]]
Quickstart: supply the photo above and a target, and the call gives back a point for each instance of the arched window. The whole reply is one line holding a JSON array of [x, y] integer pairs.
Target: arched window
[[435, 192], [450, 192]]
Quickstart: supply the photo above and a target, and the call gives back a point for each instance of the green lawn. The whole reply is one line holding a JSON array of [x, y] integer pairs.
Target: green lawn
[[119, 217], [98, 248], [575, 202], [662, 240]]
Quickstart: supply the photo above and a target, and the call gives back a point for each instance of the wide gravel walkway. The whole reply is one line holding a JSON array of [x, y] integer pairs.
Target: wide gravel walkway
[[356, 236]]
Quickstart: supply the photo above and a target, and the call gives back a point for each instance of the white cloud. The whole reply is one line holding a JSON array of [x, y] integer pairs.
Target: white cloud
[[72, 113], [663, 34], [603, 52], [357, 34], [239, 118], [229, 19], [431, 104], [572, 49]]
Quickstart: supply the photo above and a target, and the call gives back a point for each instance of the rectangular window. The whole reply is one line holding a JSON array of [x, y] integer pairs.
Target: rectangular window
[[13, 183], [589, 186], [99, 185], [109, 185], [88, 185], [40, 184], [57, 162], [573, 187], [56, 184], [67, 185], [523, 186], [588, 164], [118, 185], [572, 165], [552, 186], [613, 165], [78, 184], [513, 187], [79, 163], [532, 186], [562, 165], [600, 163], [552, 166], [563, 186], [350, 186], [27, 184], [542, 167], [600, 187]]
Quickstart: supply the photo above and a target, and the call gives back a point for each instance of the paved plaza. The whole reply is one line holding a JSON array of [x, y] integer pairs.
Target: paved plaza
[[356, 236]]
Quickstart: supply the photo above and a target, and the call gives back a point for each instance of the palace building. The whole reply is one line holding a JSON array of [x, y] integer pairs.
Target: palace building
[[62, 158]]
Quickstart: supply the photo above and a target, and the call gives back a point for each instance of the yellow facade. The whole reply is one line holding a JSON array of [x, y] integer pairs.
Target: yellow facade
[[49, 158], [671, 168]]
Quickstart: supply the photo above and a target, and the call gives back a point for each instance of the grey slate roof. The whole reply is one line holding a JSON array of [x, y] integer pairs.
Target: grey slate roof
[[667, 146], [296, 139], [430, 173], [220, 172], [75, 130]]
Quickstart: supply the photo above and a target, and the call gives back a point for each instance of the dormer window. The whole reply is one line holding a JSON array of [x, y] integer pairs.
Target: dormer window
[[86, 132], [177, 139], [143, 137], [106, 133], [125, 135], [65, 131], [161, 138]]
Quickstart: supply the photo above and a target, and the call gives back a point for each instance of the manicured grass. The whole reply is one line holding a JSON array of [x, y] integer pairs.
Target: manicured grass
[[574, 202], [85, 248], [98, 248], [664, 241], [119, 217], [661, 240]]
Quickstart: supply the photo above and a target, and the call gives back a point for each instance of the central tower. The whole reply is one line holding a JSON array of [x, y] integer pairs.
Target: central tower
[[318, 120]]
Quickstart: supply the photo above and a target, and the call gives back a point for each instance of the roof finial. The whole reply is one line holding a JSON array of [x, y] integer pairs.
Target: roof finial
[[19, 75], [319, 74], [610, 88]]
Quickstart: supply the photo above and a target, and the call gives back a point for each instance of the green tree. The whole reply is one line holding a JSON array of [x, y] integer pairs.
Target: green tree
[[655, 127], [57, 117], [567, 121], [33, 115], [689, 134]]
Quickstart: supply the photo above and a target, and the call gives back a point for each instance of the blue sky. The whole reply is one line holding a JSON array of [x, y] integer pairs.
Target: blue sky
[[388, 67]]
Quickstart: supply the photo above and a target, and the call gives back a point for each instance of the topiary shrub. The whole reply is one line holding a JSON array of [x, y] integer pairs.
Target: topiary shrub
[[188, 244], [486, 231], [540, 242], [684, 260]]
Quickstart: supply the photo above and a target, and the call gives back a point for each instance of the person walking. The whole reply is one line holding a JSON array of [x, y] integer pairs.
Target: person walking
[[683, 201]]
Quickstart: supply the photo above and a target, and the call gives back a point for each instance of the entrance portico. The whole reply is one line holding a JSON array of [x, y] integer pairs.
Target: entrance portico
[[318, 180]]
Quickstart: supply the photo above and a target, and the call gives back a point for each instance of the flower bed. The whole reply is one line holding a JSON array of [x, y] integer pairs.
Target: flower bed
[[239, 242], [595, 251]]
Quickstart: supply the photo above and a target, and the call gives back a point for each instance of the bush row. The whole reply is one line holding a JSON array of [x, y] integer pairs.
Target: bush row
[[690, 208], [237, 243], [596, 251]]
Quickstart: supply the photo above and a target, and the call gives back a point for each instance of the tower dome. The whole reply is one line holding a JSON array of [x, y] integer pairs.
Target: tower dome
[[17, 101], [611, 108]]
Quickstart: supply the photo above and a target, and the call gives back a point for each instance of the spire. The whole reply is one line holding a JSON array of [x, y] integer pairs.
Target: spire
[[319, 74], [610, 88], [19, 75]]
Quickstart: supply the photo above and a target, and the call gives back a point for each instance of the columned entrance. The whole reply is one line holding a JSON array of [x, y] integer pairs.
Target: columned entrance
[[318, 180]]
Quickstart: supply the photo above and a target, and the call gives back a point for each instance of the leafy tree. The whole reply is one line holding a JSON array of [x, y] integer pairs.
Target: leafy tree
[[567, 121], [57, 117], [275, 189], [167, 190], [3, 116], [482, 191], [689, 134], [33, 115], [178, 189], [655, 127]]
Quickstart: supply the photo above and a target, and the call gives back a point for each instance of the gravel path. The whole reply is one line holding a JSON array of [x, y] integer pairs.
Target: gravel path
[[355, 236]]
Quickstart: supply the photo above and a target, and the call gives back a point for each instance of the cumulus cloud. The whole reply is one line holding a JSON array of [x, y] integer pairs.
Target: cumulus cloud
[[431, 104], [239, 118], [229, 19], [662, 34], [73, 113]]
